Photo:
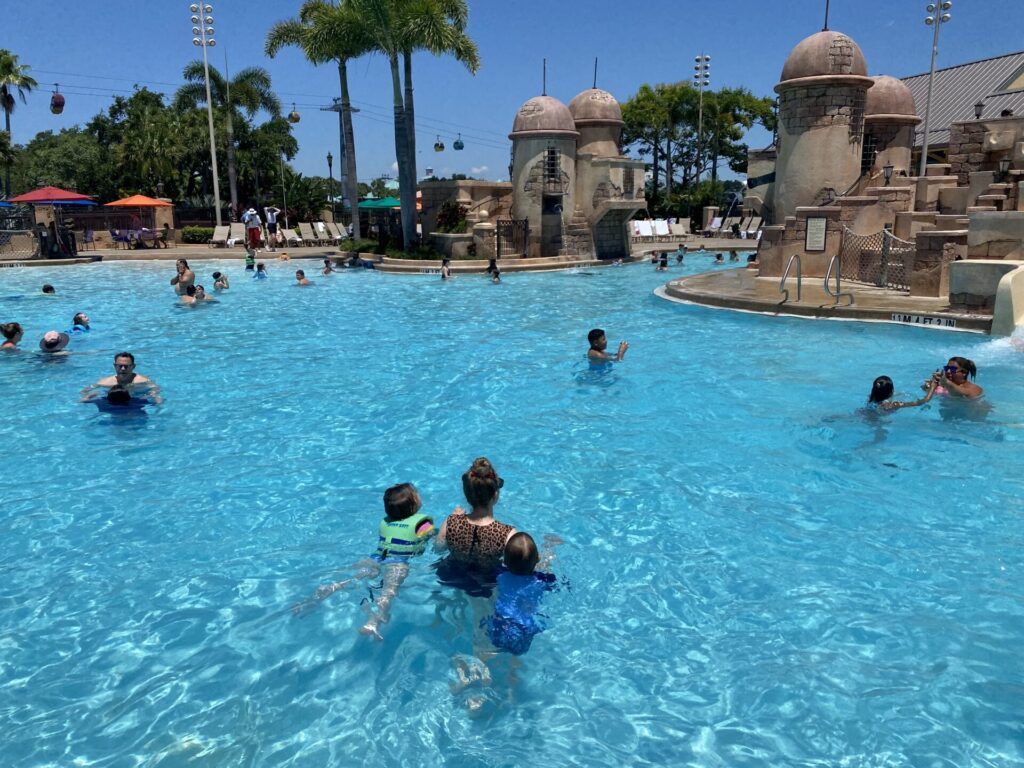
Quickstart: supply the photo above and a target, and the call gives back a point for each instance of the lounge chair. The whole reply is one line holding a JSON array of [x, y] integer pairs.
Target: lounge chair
[[220, 236], [309, 236], [677, 230], [661, 233], [290, 238], [753, 227], [237, 233], [726, 229], [327, 233], [336, 231], [714, 227]]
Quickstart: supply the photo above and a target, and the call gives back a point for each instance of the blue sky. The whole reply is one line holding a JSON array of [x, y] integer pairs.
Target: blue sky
[[96, 49]]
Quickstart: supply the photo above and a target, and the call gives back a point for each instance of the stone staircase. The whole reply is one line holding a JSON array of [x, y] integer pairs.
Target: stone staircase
[[576, 236]]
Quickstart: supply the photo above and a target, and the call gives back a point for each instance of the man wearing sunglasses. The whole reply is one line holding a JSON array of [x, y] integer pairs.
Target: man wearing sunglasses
[[125, 376]]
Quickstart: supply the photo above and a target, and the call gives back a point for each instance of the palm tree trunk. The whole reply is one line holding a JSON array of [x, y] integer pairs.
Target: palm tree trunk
[[668, 169], [406, 189], [351, 179], [232, 170], [7, 126], [410, 118]]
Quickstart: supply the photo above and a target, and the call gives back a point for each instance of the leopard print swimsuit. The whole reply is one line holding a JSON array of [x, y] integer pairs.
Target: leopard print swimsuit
[[478, 545]]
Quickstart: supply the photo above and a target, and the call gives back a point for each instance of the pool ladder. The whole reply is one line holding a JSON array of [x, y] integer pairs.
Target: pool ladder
[[799, 279], [836, 264]]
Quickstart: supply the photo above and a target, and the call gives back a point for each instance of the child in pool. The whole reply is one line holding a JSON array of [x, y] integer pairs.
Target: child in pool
[[599, 343], [402, 534], [520, 589], [261, 272], [250, 260], [882, 391]]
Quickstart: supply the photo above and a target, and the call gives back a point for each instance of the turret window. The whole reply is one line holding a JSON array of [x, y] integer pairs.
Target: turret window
[[628, 182]]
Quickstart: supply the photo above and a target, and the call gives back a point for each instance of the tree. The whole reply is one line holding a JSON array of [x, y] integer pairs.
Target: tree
[[327, 32], [398, 28], [249, 91], [14, 77]]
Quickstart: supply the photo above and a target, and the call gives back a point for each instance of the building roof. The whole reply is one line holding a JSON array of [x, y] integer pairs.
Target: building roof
[[997, 82], [543, 115], [595, 106], [824, 53], [889, 100]]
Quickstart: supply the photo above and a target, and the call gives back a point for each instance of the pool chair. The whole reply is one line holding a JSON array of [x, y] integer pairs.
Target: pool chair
[[713, 227], [308, 235], [237, 233], [326, 232], [120, 239], [337, 232], [292, 239], [220, 236], [753, 227], [661, 232]]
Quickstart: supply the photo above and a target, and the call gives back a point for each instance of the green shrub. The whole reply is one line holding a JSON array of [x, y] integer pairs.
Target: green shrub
[[196, 234], [451, 218]]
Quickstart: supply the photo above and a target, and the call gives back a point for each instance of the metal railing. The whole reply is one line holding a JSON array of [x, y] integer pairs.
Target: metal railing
[[799, 278], [836, 264]]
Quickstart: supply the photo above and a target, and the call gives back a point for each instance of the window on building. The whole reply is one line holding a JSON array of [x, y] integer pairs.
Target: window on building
[[867, 157], [552, 165], [1015, 83]]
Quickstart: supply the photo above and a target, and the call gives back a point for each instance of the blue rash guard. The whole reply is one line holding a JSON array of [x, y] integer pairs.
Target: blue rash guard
[[515, 623]]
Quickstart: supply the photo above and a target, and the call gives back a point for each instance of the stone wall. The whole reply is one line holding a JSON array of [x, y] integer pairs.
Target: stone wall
[[936, 250], [822, 106]]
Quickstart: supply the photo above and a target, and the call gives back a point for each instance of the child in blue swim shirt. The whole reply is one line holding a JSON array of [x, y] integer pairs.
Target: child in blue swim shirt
[[520, 590]]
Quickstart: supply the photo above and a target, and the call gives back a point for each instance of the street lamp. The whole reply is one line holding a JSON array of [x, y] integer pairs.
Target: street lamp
[[701, 79], [202, 31], [978, 109], [939, 18], [887, 173], [159, 189], [1004, 168], [330, 173]]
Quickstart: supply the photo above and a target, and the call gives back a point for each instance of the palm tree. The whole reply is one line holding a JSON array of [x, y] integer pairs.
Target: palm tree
[[327, 32], [398, 28], [13, 77], [249, 91]]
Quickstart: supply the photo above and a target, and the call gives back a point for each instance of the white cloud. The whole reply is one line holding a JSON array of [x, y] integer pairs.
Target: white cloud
[[394, 166], [477, 170]]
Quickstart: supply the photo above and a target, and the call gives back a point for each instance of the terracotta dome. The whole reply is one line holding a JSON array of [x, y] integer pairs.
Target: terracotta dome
[[889, 98], [825, 54], [543, 115], [595, 106]]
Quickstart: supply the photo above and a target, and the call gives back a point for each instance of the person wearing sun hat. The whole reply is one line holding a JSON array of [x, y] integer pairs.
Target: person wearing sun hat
[[54, 341]]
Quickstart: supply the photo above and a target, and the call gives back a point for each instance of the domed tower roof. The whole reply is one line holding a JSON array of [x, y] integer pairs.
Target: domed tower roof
[[889, 100], [543, 115], [595, 107], [825, 54]]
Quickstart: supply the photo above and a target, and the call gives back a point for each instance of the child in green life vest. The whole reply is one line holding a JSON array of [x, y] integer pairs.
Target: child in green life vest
[[401, 535], [250, 260]]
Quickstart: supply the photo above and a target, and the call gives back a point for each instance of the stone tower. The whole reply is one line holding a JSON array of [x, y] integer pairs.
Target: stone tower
[[889, 120], [821, 121], [544, 172]]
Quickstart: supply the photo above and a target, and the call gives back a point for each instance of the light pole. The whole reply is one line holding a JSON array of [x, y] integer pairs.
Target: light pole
[[701, 79], [343, 167], [202, 29], [330, 174], [940, 18]]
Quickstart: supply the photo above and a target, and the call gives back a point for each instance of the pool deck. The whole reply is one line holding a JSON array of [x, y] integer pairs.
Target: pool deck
[[742, 290]]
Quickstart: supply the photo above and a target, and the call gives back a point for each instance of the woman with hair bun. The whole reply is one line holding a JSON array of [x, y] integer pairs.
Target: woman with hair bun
[[475, 540]]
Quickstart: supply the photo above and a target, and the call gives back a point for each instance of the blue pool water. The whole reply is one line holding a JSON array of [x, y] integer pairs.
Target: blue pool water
[[754, 572]]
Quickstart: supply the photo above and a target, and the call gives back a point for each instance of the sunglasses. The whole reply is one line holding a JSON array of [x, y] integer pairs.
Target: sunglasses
[[950, 369], [123, 366]]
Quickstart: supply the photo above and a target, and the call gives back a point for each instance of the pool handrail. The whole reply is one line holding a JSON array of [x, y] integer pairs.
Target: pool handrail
[[836, 262], [799, 277]]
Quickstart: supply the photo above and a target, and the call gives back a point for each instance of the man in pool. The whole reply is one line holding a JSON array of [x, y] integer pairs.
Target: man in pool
[[125, 376], [301, 279], [184, 278], [598, 344]]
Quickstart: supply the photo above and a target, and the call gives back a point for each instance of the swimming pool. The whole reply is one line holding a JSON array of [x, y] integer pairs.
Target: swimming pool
[[754, 572]]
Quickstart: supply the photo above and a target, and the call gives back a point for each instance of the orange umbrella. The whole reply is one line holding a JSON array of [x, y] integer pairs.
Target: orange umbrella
[[139, 201]]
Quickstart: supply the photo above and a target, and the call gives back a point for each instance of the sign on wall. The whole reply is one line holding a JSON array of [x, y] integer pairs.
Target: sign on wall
[[814, 240]]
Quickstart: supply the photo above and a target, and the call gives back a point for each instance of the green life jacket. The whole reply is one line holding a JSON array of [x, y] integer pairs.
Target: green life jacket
[[399, 538], [250, 259]]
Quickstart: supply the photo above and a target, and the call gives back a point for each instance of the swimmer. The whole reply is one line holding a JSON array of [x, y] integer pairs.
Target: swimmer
[[184, 279], [80, 323], [662, 262], [882, 390], [598, 344], [49, 290], [752, 262], [283, 256], [401, 535], [496, 276], [520, 589], [327, 267], [654, 257], [220, 281], [617, 263], [300, 278], [680, 253], [952, 379], [53, 341], [125, 376], [190, 295], [12, 333], [250, 260], [446, 270], [202, 295], [733, 256], [719, 259], [261, 272]]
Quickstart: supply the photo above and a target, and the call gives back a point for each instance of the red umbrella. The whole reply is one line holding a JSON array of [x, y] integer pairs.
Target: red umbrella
[[49, 195]]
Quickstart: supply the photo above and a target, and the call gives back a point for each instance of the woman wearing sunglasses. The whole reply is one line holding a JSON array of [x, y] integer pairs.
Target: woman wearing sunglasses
[[954, 379]]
